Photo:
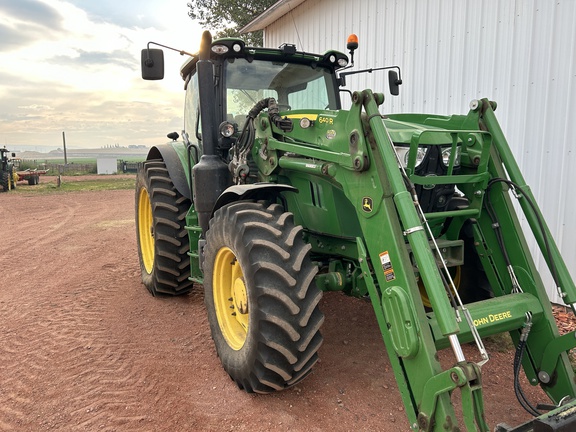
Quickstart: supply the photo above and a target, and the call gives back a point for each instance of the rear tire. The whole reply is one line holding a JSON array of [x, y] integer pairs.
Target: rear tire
[[160, 230], [5, 181], [261, 296]]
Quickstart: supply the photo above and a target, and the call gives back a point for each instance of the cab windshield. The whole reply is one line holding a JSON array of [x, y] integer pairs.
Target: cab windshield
[[294, 86]]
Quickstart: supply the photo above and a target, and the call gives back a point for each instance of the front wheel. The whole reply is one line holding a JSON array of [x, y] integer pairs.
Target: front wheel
[[261, 296]]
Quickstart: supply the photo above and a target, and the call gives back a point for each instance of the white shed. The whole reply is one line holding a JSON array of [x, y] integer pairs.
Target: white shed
[[520, 53], [107, 165]]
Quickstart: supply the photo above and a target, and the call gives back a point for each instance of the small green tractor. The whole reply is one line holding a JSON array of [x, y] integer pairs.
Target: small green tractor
[[7, 172], [274, 194]]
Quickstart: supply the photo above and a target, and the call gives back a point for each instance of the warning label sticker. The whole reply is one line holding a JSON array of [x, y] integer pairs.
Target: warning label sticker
[[385, 261], [387, 266]]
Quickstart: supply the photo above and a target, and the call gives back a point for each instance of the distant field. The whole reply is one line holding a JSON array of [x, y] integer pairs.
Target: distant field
[[85, 161], [75, 166], [49, 184]]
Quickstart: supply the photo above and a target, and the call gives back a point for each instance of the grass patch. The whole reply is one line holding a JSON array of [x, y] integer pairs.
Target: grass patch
[[78, 185]]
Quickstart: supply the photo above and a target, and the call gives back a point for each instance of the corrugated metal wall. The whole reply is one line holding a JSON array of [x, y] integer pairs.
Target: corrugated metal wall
[[519, 53]]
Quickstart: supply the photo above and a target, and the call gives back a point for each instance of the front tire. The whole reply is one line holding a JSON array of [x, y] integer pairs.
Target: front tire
[[261, 296], [160, 229]]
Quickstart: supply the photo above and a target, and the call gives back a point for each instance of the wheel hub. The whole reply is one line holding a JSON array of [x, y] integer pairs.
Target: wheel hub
[[240, 296], [230, 298], [146, 230]]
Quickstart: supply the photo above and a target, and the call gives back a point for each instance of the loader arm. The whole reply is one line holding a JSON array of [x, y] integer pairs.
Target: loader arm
[[545, 360], [395, 250]]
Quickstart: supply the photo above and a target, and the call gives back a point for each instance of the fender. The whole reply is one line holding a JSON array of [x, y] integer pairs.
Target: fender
[[251, 191], [175, 163]]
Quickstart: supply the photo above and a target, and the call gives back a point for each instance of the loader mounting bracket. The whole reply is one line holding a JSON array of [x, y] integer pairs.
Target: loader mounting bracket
[[561, 419]]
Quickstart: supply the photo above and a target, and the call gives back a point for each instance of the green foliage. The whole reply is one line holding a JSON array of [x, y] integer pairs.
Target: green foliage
[[227, 17], [26, 164]]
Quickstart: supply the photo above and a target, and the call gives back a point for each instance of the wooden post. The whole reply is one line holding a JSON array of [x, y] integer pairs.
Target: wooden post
[[64, 142]]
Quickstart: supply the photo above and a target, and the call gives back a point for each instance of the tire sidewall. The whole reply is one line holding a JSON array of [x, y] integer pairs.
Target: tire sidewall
[[225, 235], [147, 278]]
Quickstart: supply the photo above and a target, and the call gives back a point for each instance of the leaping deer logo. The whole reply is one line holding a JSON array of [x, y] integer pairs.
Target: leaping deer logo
[[367, 204]]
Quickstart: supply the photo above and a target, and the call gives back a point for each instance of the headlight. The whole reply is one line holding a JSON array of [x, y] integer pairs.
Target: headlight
[[420, 155], [227, 129], [404, 154], [445, 151], [219, 49], [446, 156]]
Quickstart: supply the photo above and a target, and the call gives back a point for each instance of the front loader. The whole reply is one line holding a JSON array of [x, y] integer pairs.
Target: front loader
[[275, 194]]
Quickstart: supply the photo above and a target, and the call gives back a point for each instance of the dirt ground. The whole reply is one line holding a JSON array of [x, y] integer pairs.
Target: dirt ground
[[84, 347]]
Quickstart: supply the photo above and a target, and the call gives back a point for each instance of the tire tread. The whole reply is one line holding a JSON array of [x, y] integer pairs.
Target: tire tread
[[171, 267], [284, 334]]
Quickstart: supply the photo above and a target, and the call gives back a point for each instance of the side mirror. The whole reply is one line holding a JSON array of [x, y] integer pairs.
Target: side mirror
[[394, 83], [173, 136], [152, 64]]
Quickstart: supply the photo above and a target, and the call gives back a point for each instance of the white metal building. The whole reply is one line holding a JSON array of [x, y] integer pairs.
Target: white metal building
[[107, 165], [520, 53]]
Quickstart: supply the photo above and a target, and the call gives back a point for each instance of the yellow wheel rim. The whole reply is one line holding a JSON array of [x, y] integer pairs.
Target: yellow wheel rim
[[456, 275], [230, 298], [145, 230]]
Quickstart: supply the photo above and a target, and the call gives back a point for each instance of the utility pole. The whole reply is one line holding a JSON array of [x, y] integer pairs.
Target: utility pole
[[64, 141]]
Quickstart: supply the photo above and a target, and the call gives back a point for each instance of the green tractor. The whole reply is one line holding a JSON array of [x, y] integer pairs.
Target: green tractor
[[7, 173], [275, 194]]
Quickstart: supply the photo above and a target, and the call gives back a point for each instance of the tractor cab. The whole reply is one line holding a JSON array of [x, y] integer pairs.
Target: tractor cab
[[4, 156], [243, 76]]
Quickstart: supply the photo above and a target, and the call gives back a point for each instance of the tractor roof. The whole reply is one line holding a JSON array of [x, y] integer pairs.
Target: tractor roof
[[229, 48]]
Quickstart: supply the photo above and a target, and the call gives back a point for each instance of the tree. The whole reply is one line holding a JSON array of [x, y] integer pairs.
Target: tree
[[227, 17]]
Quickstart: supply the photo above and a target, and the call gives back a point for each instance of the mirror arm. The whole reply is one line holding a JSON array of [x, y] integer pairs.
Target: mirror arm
[[343, 75], [149, 62]]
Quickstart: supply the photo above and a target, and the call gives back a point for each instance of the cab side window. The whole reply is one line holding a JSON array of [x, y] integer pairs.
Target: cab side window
[[192, 125]]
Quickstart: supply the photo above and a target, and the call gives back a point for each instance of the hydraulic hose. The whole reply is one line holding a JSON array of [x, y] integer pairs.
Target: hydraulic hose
[[520, 349], [248, 134], [498, 231]]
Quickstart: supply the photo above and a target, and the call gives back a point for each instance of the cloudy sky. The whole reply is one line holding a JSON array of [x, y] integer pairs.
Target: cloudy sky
[[74, 66]]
